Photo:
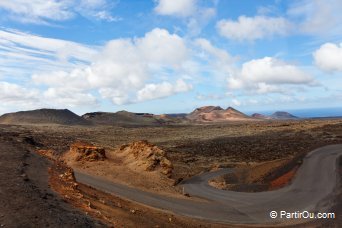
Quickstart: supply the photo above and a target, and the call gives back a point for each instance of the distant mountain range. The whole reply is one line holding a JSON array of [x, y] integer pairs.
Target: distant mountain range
[[202, 114]]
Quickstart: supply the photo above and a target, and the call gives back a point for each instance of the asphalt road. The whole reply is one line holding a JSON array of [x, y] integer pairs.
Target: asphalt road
[[312, 190]]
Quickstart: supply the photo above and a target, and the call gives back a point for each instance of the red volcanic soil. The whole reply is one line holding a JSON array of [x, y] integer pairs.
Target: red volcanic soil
[[283, 180]]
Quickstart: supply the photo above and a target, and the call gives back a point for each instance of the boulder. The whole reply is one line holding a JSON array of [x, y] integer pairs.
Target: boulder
[[82, 151], [149, 156]]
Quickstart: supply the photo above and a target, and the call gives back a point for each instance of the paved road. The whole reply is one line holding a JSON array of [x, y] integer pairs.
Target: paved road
[[312, 190]]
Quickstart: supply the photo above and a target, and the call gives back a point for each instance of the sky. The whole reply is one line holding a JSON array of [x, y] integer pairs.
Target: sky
[[170, 56]]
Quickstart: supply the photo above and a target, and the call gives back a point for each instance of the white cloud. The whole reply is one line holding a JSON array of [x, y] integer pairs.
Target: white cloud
[[38, 10], [124, 71], [218, 53], [329, 57], [118, 97], [62, 79], [14, 97], [263, 88], [236, 102], [253, 28], [104, 15], [180, 8], [123, 67], [98, 9], [18, 42], [71, 74], [23, 54], [164, 89], [69, 97], [200, 19], [266, 74], [10, 92], [192, 12], [235, 83], [44, 11], [310, 17], [273, 71], [162, 48], [317, 17], [218, 62]]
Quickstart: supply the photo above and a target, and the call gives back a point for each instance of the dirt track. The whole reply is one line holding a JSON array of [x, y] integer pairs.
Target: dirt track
[[312, 190], [28, 201]]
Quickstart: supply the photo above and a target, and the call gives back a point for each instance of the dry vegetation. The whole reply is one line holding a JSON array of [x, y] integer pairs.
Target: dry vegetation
[[261, 147], [196, 148]]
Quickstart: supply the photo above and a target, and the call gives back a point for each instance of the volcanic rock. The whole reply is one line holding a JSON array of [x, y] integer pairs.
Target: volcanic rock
[[82, 151], [148, 156]]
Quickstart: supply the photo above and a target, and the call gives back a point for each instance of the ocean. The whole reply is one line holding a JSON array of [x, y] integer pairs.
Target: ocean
[[309, 113]]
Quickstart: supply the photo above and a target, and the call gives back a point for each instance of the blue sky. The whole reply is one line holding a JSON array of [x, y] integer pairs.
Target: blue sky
[[168, 56]]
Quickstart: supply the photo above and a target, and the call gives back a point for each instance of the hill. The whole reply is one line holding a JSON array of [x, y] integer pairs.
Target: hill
[[43, 116], [283, 115], [279, 115], [121, 118], [260, 116], [216, 113]]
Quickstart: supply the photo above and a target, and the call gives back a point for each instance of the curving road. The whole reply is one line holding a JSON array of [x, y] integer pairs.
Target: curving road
[[313, 189]]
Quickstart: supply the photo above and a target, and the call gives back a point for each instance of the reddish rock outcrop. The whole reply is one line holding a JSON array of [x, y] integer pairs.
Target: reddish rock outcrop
[[148, 156], [81, 151]]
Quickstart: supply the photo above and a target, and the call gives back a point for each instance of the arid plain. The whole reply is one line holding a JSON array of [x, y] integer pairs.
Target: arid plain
[[39, 160]]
